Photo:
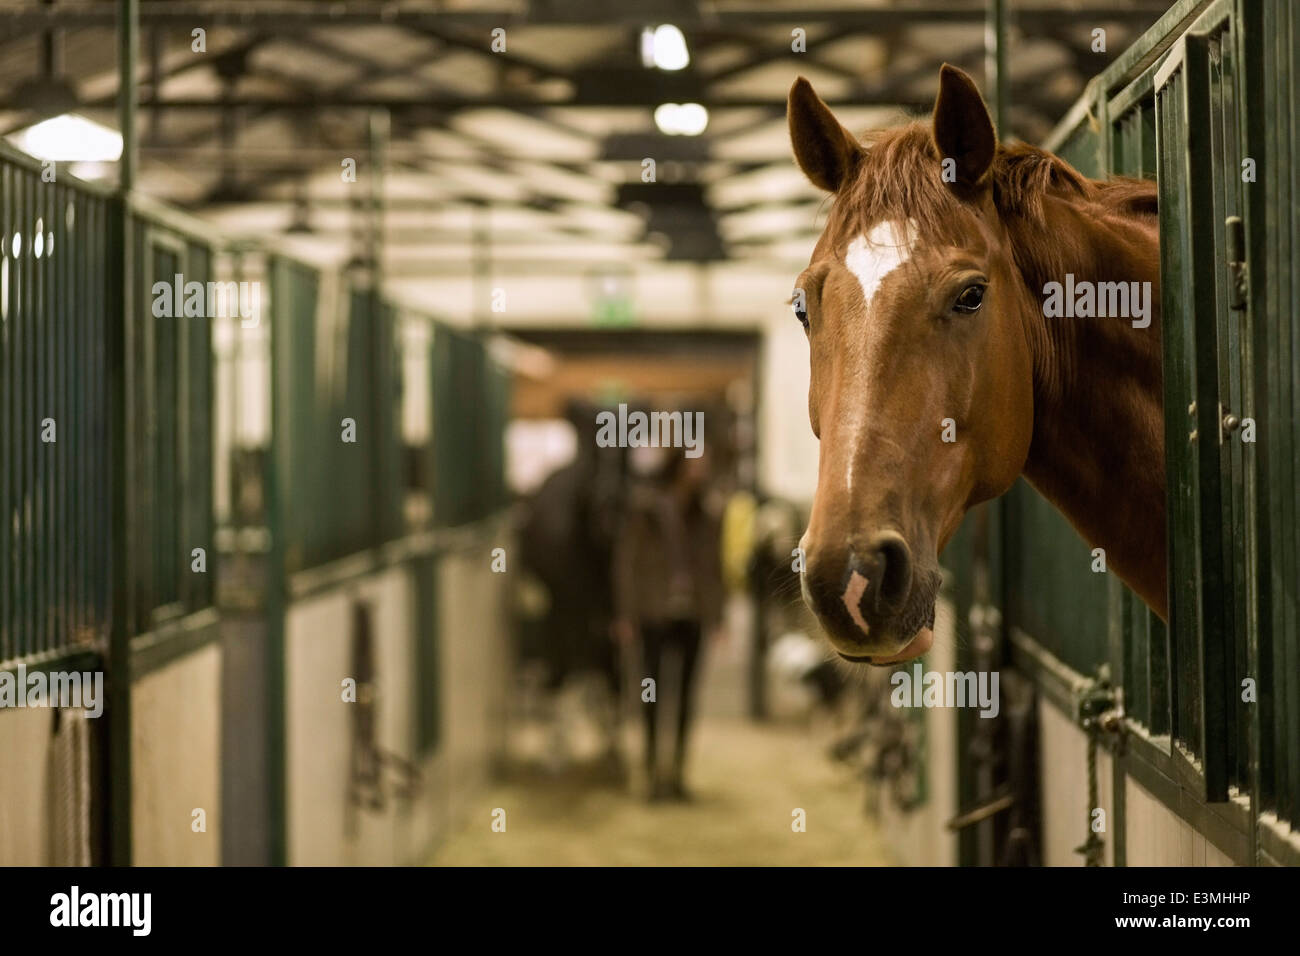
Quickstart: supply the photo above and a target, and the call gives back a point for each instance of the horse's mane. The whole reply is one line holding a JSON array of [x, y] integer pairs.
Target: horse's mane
[[899, 178]]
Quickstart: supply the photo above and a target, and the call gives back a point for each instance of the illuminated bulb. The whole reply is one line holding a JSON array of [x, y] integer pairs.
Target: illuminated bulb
[[681, 119], [71, 139], [669, 47]]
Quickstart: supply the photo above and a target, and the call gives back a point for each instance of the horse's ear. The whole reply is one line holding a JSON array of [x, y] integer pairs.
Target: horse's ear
[[824, 150], [963, 131]]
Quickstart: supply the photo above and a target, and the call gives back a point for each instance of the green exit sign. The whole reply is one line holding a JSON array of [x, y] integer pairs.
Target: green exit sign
[[613, 311]]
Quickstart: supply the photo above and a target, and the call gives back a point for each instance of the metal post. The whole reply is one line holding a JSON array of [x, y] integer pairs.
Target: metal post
[[128, 47], [482, 277], [995, 63], [51, 53], [383, 359], [378, 136], [118, 339]]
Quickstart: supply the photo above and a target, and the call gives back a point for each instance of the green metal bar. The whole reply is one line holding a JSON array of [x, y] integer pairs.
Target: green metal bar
[[1213, 623], [1286, 315], [8, 392], [1251, 52], [426, 671], [277, 472], [120, 371], [26, 430], [42, 337], [128, 50]]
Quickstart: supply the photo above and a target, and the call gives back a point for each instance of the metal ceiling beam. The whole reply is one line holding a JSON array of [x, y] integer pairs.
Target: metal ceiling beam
[[480, 45], [339, 100], [402, 105], [179, 66], [294, 15], [762, 52]]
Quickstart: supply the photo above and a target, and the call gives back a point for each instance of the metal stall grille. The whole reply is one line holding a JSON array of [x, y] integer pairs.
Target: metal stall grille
[[468, 435], [1142, 635], [170, 419], [55, 310], [1196, 146], [1211, 700], [336, 378]]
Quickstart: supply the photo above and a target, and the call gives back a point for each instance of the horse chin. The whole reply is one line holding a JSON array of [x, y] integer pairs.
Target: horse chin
[[914, 648], [917, 646]]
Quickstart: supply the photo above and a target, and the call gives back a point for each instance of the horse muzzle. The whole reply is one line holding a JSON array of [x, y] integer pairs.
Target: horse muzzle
[[874, 603]]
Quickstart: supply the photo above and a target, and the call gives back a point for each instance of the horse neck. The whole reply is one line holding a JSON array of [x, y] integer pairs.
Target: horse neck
[[1098, 446]]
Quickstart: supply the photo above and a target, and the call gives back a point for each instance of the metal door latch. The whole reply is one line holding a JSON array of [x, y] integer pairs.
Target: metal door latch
[[1228, 423]]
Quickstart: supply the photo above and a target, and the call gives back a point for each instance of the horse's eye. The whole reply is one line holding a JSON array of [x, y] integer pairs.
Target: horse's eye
[[970, 300], [801, 314]]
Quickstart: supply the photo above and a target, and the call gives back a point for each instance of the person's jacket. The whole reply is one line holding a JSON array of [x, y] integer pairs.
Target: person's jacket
[[644, 561]]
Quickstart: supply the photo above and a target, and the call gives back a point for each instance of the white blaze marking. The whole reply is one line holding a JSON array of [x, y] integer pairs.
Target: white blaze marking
[[873, 256]]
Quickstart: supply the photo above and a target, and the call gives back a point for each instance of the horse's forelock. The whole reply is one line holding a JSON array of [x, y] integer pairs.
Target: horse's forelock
[[900, 178]]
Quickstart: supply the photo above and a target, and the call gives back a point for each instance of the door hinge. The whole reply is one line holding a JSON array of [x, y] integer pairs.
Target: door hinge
[[1239, 292]]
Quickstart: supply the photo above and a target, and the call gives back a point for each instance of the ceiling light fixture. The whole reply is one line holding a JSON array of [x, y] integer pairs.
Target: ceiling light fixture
[[664, 47], [681, 119], [71, 139]]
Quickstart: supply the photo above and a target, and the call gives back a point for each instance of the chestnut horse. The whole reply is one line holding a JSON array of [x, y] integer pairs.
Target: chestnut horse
[[939, 375]]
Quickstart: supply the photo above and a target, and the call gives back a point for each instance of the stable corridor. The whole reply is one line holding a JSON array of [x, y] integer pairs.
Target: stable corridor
[[746, 782], [745, 779]]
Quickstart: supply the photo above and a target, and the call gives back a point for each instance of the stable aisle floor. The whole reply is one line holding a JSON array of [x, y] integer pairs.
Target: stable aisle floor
[[746, 780]]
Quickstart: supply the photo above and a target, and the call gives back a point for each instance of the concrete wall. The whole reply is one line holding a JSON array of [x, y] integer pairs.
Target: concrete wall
[[176, 761]]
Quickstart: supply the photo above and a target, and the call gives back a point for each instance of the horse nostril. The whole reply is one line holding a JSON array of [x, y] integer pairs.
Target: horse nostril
[[887, 565], [897, 578]]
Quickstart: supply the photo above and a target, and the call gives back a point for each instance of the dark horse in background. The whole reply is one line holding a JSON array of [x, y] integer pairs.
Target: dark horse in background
[[566, 539]]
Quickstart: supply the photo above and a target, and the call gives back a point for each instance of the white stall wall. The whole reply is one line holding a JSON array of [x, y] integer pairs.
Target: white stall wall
[[26, 778], [1155, 835], [474, 648], [323, 830], [787, 447], [1063, 753], [176, 762]]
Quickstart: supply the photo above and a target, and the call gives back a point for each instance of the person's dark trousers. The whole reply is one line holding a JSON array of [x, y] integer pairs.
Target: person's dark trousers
[[681, 639]]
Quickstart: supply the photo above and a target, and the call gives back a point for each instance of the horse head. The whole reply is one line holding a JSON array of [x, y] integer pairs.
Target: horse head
[[921, 381]]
